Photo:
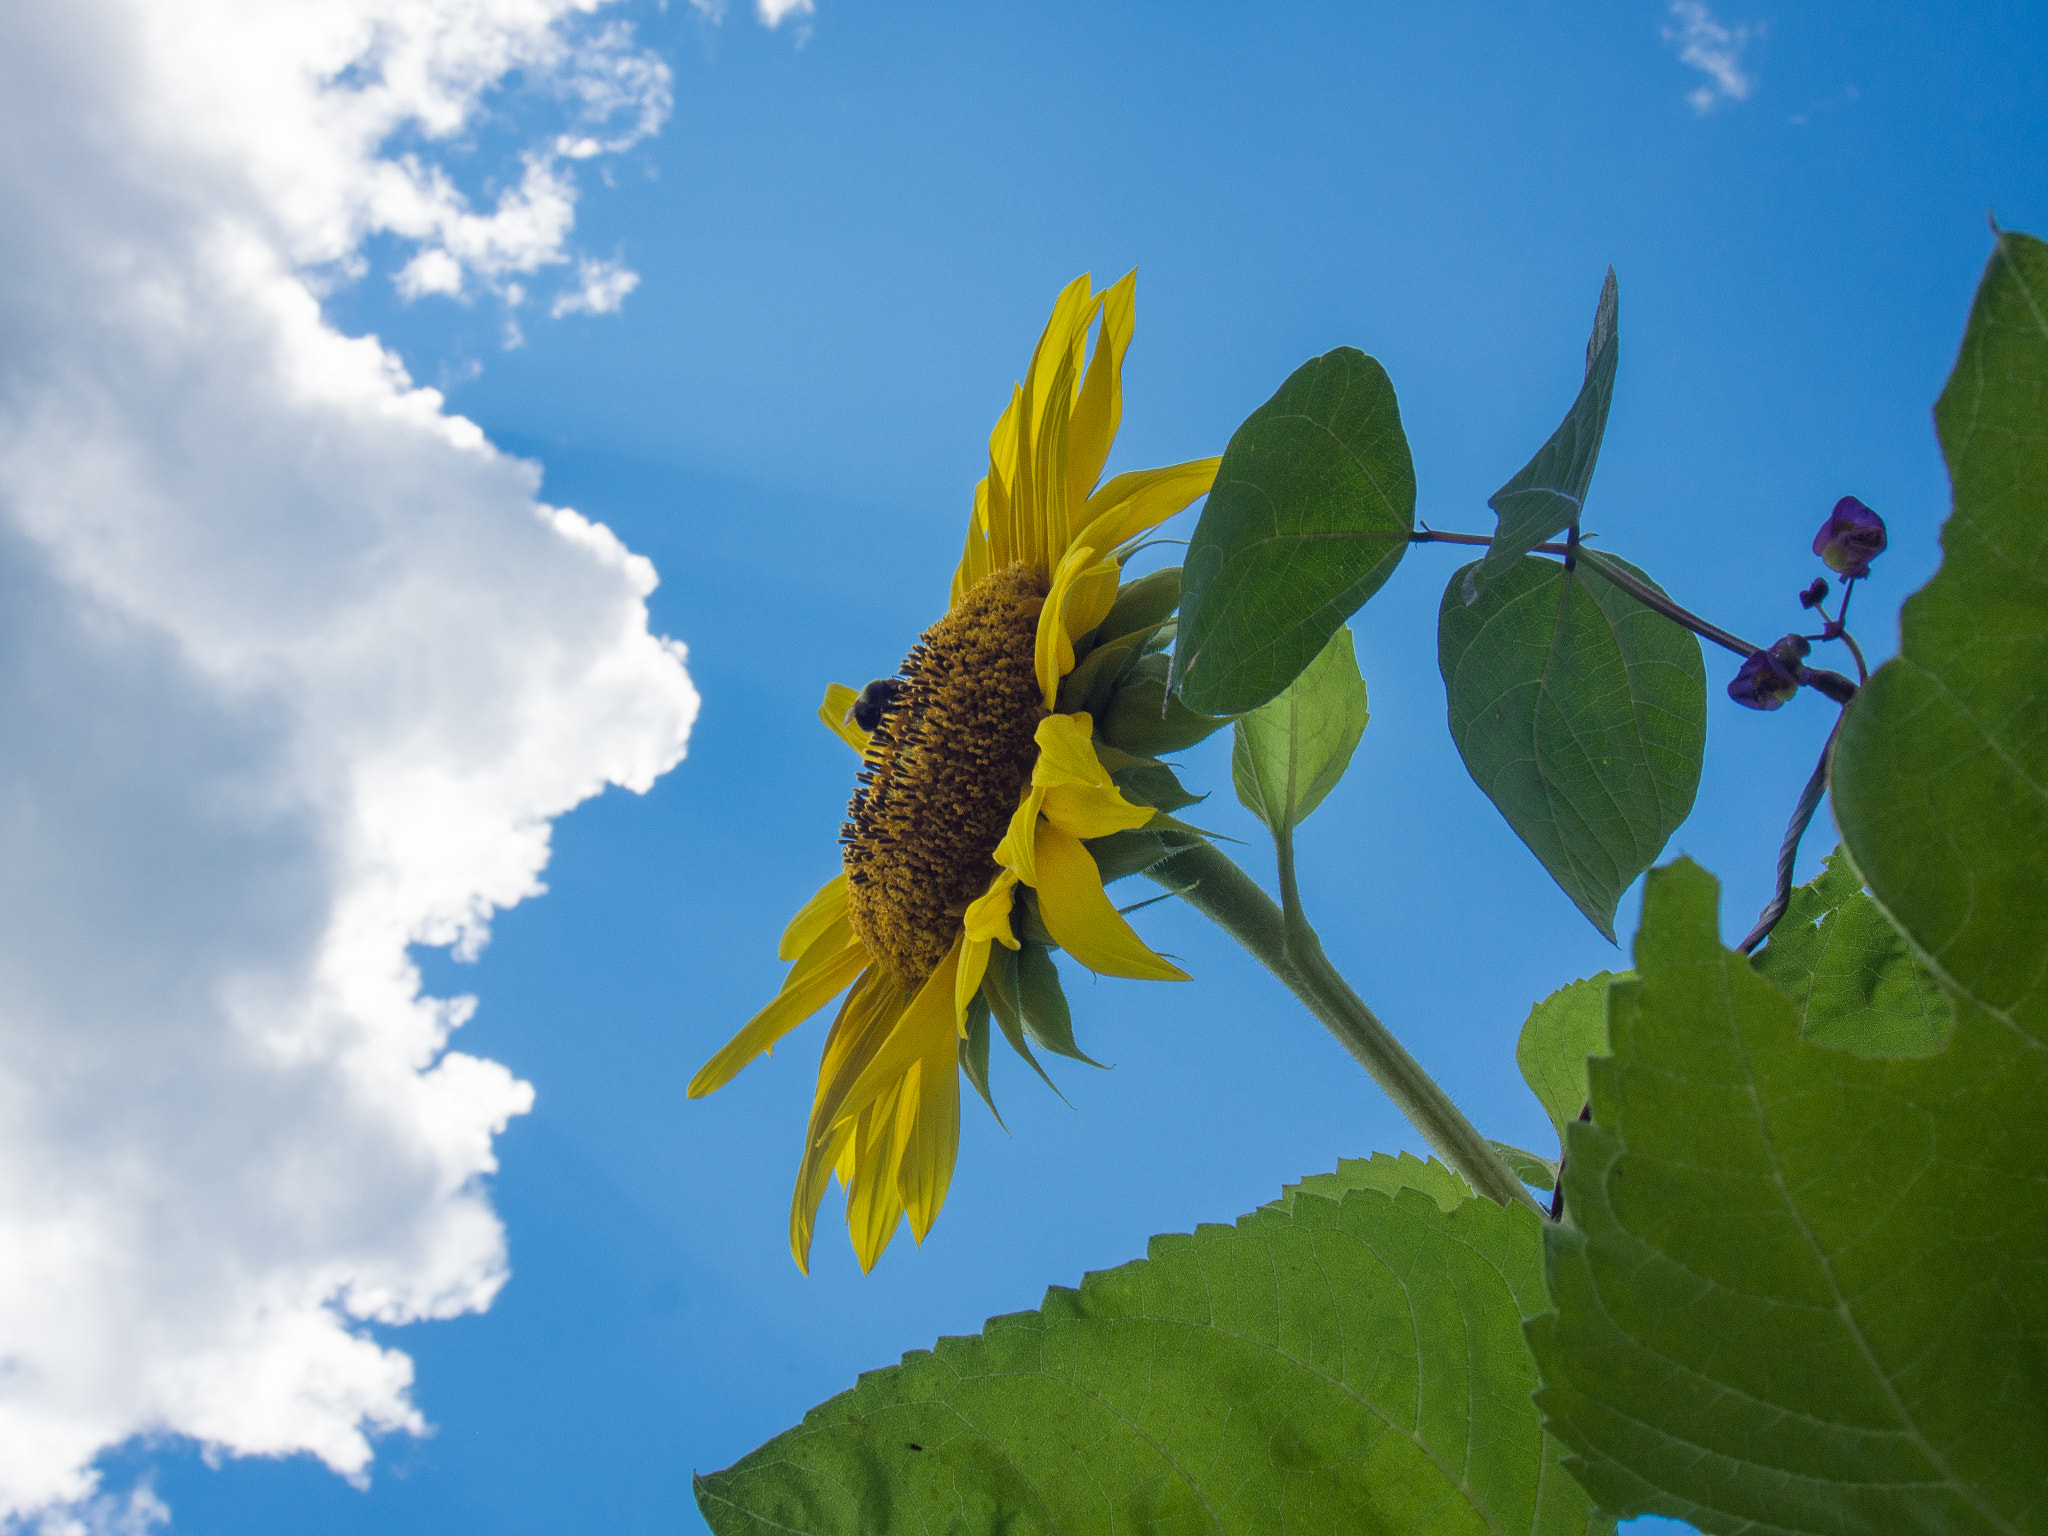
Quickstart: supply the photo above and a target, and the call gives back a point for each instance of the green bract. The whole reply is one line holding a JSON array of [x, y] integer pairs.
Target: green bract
[[1582, 714], [1310, 514], [1798, 1290], [1347, 1359]]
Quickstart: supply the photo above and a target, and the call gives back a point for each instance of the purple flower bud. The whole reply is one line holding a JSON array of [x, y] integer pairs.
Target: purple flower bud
[[1816, 594], [1769, 678], [1850, 539]]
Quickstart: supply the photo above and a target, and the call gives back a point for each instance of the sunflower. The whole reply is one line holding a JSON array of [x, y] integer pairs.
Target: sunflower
[[977, 796]]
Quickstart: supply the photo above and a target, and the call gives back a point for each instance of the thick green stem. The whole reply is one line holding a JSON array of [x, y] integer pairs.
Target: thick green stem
[[1286, 945]]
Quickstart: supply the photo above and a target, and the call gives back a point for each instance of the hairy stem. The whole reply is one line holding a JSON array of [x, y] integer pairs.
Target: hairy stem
[[1283, 942]]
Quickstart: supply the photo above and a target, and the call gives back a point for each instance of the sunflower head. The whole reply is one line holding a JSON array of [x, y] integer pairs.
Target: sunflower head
[[1008, 769]]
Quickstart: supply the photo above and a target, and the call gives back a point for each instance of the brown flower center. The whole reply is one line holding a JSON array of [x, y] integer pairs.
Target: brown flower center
[[946, 766]]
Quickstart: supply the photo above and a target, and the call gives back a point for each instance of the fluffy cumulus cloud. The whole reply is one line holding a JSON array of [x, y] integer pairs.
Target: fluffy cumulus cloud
[[295, 671], [1715, 50]]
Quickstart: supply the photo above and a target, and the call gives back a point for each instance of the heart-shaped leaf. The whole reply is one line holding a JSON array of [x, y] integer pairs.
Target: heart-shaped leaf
[[1582, 714]]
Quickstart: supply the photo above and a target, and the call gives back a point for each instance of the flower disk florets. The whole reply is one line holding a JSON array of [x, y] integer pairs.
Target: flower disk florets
[[945, 767]]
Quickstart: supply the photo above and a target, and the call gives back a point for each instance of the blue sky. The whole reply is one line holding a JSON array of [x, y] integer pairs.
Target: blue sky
[[847, 235]]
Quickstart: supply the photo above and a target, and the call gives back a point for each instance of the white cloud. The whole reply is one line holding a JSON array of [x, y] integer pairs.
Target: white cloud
[[295, 671], [1715, 50], [605, 285], [774, 12]]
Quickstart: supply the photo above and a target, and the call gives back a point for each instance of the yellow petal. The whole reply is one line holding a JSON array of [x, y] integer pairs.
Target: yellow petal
[[929, 1018], [1079, 915], [812, 1180], [818, 977], [874, 1209], [830, 1144], [1092, 812], [967, 980], [865, 1019], [817, 914], [988, 915], [976, 558], [1100, 407], [925, 1171], [1053, 645], [1007, 542], [1050, 384], [838, 700], [1015, 852], [1066, 752], [1146, 498]]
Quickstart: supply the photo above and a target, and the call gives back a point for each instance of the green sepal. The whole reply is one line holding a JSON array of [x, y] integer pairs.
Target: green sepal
[[1123, 854], [974, 1054], [1142, 720], [1147, 781], [1143, 603], [1093, 682], [1030, 925], [1537, 1172], [1047, 1019], [999, 988], [1165, 823]]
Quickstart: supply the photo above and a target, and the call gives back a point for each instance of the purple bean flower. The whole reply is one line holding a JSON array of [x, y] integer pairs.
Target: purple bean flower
[[1816, 594], [1850, 539], [1769, 678]]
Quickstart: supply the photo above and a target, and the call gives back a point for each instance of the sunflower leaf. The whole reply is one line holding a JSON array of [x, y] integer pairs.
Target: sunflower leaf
[[1582, 714], [1546, 497], [1850, 973], [1940, 775], [1389, 1173], [1310, 513], [1537, 1172], [1798, 1291], [1562, 1031], [1288, 754], [1340, 1361]]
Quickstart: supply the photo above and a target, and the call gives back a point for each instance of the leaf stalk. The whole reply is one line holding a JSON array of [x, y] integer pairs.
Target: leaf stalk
[[1282, 940]]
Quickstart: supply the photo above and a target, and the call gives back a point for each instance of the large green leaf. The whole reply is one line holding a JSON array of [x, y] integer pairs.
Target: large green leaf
[[1561, 1032], [1346, 1359], [1853, 981], [1289, 753], [1582, 714], [1549, 493], [1940, 776], [1310, 513], [1798, 1290]]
